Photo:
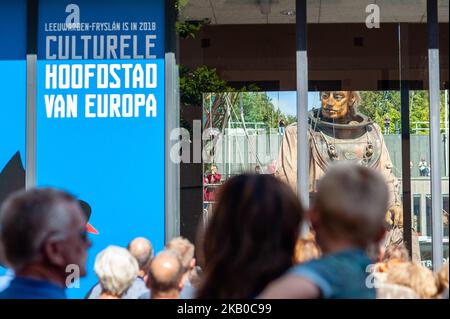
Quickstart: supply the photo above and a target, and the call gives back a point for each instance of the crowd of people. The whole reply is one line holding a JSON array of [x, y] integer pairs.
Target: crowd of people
[[251, 247]]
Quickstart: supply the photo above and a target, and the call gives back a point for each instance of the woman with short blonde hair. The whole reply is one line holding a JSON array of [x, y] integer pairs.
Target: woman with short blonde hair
[[116, 270]]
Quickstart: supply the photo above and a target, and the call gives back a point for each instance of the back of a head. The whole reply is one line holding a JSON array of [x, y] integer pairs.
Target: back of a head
[[185, 249], [27, 218], [166, 273], [250, 238], [394, 291], [415, 276], [397, 252], [141, 249], [352, 202], [116, 270]]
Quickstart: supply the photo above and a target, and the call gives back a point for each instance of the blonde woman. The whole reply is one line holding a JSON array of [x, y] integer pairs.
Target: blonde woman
[[116, 270]]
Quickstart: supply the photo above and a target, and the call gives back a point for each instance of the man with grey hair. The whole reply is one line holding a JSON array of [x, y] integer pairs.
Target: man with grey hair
[[43, 231], [185, 250], [142, 250], [348, 216], [165, 278]]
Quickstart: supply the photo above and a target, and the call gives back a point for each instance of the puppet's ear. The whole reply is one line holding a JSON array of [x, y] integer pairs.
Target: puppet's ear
[[86, 208]]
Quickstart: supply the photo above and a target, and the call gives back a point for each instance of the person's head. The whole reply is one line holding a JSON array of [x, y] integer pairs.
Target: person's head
[[338, 104], [165, 278], [415, 276], [44, 231], [141, 249], [185, 250], [116, 270], [349, 207], [396, 252], [257, 169], [213, 169], [250, 238]]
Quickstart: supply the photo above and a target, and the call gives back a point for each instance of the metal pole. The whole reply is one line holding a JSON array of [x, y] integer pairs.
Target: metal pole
[[446, 131], [171, 119], [32, 27], [302, 106], [406, 142], [435, 138], [229, 141]]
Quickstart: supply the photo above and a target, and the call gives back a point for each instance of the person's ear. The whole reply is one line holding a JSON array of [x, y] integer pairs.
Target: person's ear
[[53, 252], [193, 262], [181, 284], [145, 278]]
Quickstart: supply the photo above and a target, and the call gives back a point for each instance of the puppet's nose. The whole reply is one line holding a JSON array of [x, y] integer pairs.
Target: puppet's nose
[[90, 229]]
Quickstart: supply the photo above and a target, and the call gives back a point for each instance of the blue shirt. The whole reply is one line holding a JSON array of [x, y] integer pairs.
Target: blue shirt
[[341, 275], [188, 292], [6, 279], [29, 288]]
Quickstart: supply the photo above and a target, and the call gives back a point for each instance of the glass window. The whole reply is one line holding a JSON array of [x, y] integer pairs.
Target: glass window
[[428, 216], [347, 53], [443, 19], [426, 240], [416, 223]]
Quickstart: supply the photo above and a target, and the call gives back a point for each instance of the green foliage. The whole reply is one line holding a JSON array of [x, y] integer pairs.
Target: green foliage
[[180, 4], [419, 111], [378, 104], [289, 119], [188, 28], [193, 83], [258, 107]]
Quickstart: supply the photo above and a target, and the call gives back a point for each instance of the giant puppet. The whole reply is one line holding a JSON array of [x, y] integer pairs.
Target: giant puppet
[[337, 132]]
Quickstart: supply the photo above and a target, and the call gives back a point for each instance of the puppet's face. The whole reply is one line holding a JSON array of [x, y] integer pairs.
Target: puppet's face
[[335, 104]]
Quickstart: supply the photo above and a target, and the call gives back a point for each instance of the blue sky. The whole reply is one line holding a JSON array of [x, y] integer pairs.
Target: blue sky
[[286, 101]]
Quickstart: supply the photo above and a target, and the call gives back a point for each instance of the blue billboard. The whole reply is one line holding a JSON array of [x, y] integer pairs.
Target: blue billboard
[[13, 42], [100, 116]]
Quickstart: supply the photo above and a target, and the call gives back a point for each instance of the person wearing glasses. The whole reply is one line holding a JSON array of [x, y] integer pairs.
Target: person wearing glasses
[[43, 234]]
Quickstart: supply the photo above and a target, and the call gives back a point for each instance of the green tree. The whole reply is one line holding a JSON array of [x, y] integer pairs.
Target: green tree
[[258, 107], [193, 83], [419, 111], [378, 105]]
